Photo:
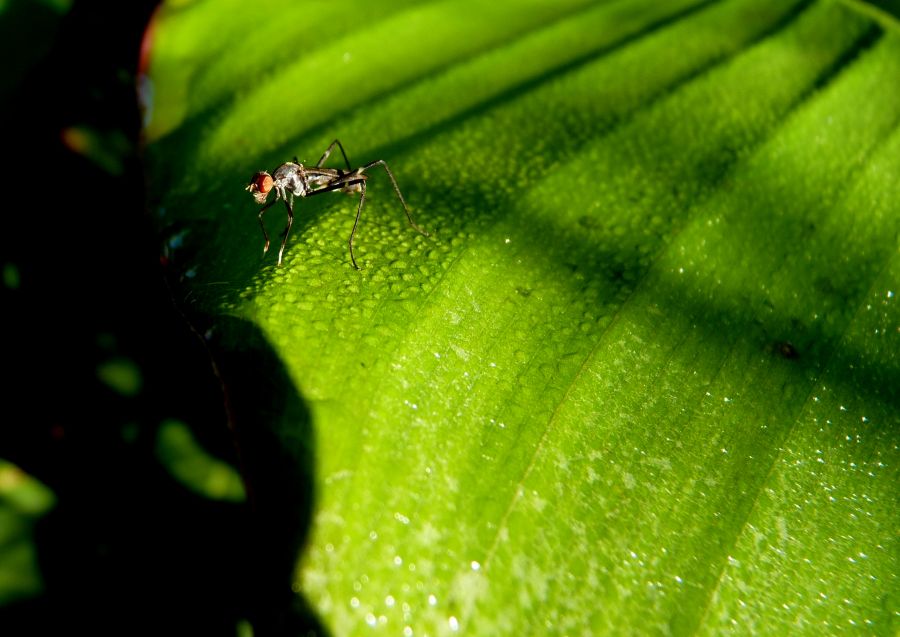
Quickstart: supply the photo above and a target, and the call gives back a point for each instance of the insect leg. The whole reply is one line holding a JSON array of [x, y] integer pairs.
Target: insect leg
[[289, 204], [262, 225], [362, 199], [325, 155], [397, 190]]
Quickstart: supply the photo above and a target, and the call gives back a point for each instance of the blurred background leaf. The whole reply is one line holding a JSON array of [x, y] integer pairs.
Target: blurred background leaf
[[22, 500], [886, 12], [102, 530]]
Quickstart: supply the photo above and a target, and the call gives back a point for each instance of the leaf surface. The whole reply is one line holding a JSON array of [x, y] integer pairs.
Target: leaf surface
[[642, 376]]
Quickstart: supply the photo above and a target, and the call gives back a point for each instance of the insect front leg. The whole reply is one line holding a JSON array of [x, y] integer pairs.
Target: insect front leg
[[289, 204], [381, 163], [263, 226], [325, 155]]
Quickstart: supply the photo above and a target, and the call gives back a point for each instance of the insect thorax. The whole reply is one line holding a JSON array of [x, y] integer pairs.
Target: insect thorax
[[290, 177]]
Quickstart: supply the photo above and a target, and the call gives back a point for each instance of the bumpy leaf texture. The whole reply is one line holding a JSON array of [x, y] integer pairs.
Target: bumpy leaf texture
[[643, 377]]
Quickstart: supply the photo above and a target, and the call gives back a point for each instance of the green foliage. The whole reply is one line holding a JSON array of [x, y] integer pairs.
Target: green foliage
[[643, 375], [193, 467], [886, 12], [23, 500]]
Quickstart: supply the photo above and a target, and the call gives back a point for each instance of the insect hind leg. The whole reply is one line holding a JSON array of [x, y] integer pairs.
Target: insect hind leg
[[327, 152], [380, 162], [362, 200]]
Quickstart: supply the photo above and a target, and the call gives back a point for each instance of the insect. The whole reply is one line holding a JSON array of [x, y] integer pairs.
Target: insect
[[294, 179]]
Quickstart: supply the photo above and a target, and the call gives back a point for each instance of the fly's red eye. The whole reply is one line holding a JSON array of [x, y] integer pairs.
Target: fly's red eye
[[263, 182]]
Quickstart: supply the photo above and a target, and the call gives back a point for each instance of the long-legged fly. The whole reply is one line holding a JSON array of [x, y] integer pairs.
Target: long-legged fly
[[293, 178]]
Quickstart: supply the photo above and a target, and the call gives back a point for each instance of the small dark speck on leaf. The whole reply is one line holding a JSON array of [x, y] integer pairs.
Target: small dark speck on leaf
[[587, 222], [786, 350]]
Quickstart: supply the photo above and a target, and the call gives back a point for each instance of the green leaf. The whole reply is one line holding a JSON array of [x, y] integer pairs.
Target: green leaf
[[887, 12], [643, 375], [188, 463], [23, 499]]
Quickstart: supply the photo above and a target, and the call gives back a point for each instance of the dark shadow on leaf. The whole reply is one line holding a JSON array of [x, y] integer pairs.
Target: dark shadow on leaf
[[128, 549], [276, 447]]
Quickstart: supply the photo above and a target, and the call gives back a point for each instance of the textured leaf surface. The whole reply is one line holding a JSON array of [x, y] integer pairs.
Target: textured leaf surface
[[643, 376]]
